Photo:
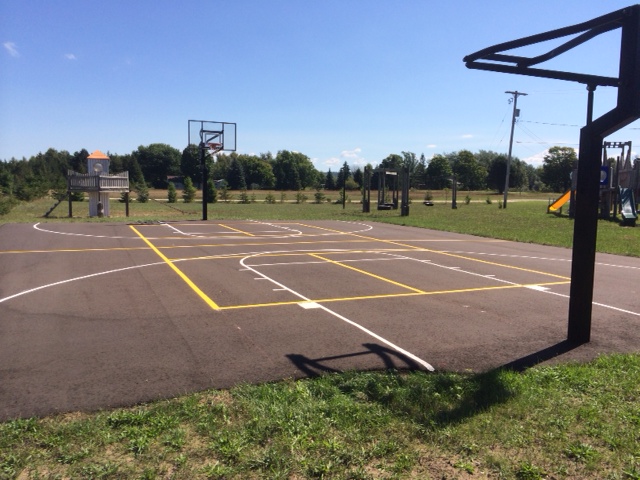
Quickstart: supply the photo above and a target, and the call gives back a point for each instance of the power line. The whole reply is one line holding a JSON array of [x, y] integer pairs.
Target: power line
[[553, 124]]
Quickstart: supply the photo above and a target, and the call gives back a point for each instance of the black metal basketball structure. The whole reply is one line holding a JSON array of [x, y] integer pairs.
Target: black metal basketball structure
[[211, 136], [591, 135]]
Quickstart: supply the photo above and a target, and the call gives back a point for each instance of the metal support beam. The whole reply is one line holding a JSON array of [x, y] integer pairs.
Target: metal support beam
[[591, 136]]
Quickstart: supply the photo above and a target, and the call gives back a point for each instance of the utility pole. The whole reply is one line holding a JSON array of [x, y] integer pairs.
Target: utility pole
[[516, 113]]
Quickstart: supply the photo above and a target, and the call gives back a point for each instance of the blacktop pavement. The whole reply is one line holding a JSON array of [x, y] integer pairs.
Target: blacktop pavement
[[96, 316]]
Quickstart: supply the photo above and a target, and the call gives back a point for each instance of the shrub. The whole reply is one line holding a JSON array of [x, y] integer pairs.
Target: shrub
[[244, 197], [142, 193], [300, 197], [189, 192], [6, 204], [212, 193], [172, 195], [225, 196]]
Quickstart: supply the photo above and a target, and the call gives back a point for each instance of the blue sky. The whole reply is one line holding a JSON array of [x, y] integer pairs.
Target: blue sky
[[338, 80]]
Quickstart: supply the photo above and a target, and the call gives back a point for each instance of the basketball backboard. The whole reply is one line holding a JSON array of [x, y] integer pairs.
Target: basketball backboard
[[212, 132]]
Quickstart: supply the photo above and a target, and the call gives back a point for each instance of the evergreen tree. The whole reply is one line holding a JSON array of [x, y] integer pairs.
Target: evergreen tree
[[189, 192], [172, 195], [358, 177], [236, 177], [343, 175], [143, 193], [212, 193]]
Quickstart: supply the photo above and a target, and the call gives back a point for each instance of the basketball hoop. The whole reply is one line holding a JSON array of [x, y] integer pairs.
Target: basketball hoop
[[214, 147]]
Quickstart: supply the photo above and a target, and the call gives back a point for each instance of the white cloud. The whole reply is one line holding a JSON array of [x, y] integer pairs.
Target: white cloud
[[537, 159], [352, 157], [11, 48], [355, 153], [467, 135], [432, 145], [333, 161], [70, 56]]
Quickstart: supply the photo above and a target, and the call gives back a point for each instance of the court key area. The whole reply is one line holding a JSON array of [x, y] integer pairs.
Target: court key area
[[96, 316]]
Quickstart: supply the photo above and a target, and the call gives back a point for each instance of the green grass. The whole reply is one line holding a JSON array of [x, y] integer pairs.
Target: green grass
[[524, 220], [561, 422]]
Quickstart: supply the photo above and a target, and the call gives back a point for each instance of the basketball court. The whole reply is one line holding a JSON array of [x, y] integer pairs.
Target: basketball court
[[102, 315]]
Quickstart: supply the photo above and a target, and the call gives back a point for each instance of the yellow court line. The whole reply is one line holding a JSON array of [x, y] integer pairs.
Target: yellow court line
[[388, 295], [236, 230], [186, 279], [367, 273], [455, 255]]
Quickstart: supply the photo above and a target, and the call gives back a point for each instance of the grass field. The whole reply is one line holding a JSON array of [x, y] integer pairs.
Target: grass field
[[561, 422], [524, 220]]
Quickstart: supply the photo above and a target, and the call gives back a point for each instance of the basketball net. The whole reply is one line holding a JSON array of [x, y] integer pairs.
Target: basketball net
[[214, 147]]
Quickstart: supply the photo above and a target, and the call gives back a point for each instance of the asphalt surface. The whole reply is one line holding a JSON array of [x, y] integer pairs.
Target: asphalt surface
[[95, 316]]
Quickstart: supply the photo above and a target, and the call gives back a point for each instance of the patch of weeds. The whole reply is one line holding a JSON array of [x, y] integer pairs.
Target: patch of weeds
[[17, 430], [138, 444], [181, 460], [99, 470], [632, 471], [68, 457], [466, 466], [581, 452], [358, 474], [385, 447], [273, 462], [469, 449], [9, 466], [403, 462], [174, 439], [316, 467], [228, 446], [528, 471], [128, 418], [216, 470]]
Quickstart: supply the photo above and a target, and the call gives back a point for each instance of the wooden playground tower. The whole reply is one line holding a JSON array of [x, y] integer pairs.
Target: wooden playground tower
[[391, 182], [99, 184], [619, 186]]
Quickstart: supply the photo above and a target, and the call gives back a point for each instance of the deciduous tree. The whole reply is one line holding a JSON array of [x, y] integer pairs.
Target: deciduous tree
[[557, 167]]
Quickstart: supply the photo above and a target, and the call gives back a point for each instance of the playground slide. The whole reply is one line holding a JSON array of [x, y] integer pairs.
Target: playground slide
[[627, 205], [555, 206]]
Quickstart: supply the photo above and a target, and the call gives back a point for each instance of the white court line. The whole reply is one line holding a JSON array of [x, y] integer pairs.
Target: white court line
[[603, 305], [37, 227], [531, 257], [217, 235], [75, 279], [425, 364]]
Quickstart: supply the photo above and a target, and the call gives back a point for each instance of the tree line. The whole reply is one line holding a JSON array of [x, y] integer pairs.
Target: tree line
[[153, 165]]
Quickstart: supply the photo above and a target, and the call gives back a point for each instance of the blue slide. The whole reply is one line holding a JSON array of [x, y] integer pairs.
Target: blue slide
[[628, 210]]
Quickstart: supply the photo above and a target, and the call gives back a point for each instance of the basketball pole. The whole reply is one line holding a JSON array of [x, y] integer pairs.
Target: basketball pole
[[205, 177]]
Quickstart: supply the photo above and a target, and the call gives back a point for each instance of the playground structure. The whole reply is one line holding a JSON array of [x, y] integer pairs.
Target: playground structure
[[619, 186], [390, 182], [99, 184]]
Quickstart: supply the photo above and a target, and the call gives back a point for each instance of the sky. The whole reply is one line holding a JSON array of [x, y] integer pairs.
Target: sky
[[337, 80]]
